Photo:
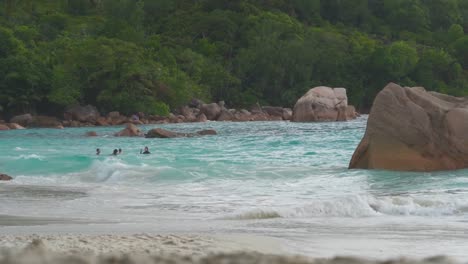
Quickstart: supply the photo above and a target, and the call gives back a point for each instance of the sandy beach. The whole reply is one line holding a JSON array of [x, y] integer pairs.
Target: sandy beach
[[144, 248]]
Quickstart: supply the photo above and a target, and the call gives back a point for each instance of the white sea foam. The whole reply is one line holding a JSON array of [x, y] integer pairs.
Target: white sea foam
[[29, 157]]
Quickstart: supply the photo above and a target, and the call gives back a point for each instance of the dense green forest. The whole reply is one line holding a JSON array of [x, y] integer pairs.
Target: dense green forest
[[155, 55]]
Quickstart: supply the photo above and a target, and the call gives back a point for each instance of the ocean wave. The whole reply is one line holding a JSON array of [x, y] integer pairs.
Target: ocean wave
[[368, 205], [436, 205], [254, 214], [344, 206]]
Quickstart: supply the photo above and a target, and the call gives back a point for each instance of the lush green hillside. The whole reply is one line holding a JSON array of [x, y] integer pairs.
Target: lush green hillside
[[152, 55]]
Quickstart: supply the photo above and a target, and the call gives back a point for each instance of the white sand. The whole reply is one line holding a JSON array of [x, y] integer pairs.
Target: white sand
[[143, 244], [144, 248]]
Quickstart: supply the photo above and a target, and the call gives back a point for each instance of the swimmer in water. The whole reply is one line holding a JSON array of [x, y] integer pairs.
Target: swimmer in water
[[98, 151], [115, 153], [146, 151], [120, 151]]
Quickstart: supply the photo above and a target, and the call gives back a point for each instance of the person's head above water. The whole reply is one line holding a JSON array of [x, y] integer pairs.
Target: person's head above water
[[146, 151], [120, 150], [115, 152], [98, 151]]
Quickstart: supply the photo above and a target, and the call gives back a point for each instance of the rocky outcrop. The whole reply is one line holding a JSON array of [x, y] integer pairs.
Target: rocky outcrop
[[201, 118], [242, 116], [287, 113], [163, 133], [129, 131], [273, 111], [23, 120], [4, 127], [410, 129], [226, 115], [101, 121], [351, 112], [195, 111], [45, 122], [14, 126], [85, 114], [4, 177], [321, 104], [211, 111]]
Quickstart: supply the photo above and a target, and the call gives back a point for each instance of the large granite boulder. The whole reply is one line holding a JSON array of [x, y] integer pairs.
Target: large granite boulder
[[321, 104], [207, 132], [410, 129], [273, 111], [196, 103], [201, 118], [86, 114], [287, 114], [23, 120], [102, 121], [45, 122], [243, 116], [190, 114], [211, 111], [129, 131], [163, 133], [226, 115], [4, 127], [4, 177], [14, 126]]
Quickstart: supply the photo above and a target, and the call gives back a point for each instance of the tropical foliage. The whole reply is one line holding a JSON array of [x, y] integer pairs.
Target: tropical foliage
[[152, 55]]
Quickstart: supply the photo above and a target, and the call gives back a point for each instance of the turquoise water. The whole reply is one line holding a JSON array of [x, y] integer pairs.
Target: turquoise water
[[282, 179]]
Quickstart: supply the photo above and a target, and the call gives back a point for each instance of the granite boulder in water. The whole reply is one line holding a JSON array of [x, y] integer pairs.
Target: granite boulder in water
[[322, 104], [410, 129], [163, 133], [129, 131], [4, 177]]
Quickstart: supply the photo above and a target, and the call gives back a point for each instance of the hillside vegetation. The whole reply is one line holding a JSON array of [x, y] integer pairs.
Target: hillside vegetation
[[155, 55]]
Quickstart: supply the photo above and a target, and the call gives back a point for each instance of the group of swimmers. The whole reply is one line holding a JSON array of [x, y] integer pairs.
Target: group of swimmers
[[119, 151]]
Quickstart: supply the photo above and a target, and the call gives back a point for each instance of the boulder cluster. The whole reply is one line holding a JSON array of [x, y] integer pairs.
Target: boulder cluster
[[196, 111], [133, 131], [317, 105]]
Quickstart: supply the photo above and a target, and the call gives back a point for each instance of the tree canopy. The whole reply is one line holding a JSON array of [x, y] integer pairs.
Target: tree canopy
[[155, 55]]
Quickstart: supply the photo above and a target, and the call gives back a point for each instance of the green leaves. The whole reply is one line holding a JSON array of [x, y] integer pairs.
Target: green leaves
[[142, 55]]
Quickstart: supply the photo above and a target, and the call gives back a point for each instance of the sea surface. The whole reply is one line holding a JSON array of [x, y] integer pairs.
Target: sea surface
[[287, 181]]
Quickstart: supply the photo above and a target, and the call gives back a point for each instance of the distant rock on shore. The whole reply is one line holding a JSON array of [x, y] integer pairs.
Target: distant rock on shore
[[195, 111], [323, 104], [129, 131], [410, 129], [4, 177], [163, 133]]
